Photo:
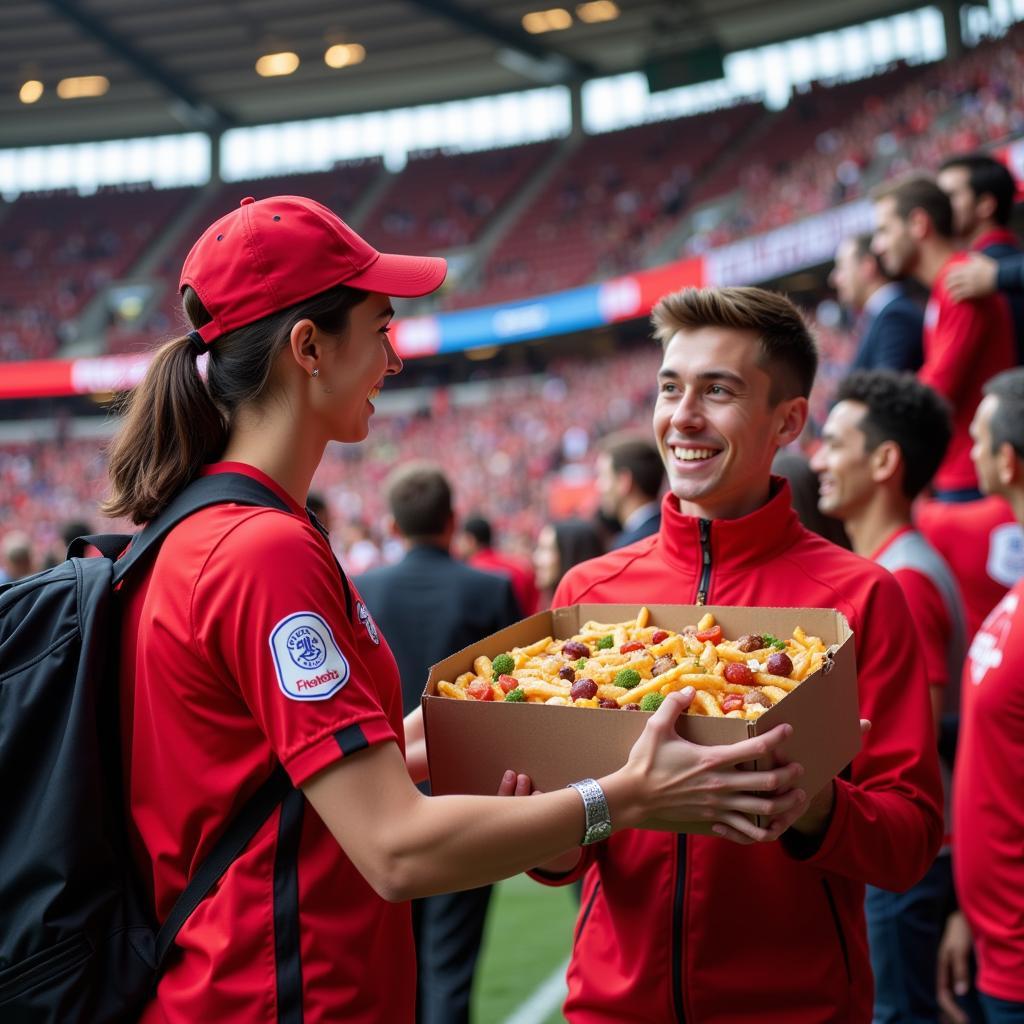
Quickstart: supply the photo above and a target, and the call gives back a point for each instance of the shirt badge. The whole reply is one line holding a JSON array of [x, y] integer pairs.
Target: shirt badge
[[307, 659], [366, 619]]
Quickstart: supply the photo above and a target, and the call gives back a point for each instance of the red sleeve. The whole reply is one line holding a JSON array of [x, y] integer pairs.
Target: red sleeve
[[954, 345], [886, 826], [546, 878], [269, 612], [931, 623]]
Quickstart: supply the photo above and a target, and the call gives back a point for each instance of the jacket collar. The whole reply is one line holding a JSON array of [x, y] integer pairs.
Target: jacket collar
[[735, 543]]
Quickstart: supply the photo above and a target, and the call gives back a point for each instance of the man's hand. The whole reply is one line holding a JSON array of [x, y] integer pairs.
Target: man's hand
[[972, 279], [954, 967]]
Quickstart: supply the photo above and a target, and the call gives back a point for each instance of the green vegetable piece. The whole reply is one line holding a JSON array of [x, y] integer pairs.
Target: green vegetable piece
[[503, 665], [773, 641], [515, 695], [581, 664], [651, 701], [606, 643], [627, 677]]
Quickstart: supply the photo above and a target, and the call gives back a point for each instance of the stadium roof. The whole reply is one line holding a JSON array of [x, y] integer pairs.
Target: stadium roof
[[177, 65]]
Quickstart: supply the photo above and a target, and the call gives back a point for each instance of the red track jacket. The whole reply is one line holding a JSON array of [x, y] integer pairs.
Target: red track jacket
[[697, 929]]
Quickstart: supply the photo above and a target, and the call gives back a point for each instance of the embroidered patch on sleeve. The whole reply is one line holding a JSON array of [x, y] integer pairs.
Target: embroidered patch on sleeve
[[308, 661]]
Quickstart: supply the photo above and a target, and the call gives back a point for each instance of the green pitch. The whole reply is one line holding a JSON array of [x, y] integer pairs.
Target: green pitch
[[529, 934]]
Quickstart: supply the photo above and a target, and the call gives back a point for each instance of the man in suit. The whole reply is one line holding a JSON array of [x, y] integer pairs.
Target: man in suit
[[629, 478], [430, 605], [982, 191], [890, 322]]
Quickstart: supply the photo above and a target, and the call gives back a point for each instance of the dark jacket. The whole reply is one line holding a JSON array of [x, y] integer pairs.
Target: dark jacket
[[1002, 246], [650, 525], [430, 605], [892, 339]]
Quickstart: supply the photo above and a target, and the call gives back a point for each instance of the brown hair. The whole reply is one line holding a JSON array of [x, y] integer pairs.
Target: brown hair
[[919, 192], [420, 499], [638, 454], [787, 345], [175, 422]]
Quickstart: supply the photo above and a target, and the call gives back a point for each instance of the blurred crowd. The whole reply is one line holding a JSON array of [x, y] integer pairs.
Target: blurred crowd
[[617, 202]]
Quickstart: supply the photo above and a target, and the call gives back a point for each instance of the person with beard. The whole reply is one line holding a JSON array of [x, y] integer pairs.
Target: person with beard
[[965, 343]]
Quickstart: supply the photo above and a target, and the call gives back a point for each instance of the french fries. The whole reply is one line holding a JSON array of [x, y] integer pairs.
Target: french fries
[[618, 665]]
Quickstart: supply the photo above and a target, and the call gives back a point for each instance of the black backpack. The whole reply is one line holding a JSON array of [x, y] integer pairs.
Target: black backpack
[[76, 942]]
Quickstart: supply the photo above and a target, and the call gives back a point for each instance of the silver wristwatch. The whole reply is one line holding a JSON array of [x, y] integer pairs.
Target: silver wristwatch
[[599, 819]]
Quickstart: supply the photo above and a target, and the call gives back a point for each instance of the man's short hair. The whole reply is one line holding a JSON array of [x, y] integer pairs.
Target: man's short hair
[[1007, 423], [862, 250], [420, 499], [919, 192], [987, 177], [638, 454], [903, 410], [479, 529], [787, 345]]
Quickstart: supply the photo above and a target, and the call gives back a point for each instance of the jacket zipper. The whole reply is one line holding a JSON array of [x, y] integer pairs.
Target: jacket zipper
[[677, 903], [677, 930], [705, 553]]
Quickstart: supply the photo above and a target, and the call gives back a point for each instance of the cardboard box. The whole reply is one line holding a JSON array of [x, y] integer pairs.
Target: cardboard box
[[471, 743]]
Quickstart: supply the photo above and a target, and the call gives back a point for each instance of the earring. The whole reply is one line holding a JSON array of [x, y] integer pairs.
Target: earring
[[316, 372]]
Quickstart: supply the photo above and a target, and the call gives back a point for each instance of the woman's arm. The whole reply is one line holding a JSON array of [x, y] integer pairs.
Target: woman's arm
[[407, 845]]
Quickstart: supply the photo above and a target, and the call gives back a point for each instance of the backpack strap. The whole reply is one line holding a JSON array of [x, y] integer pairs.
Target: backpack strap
[[203, 492], [109, 545], [234, 840]]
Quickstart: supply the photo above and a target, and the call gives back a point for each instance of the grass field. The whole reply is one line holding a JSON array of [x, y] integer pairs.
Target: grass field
[[529, 934]]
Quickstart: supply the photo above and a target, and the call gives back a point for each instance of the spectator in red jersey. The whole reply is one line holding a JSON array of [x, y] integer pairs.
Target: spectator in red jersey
[[475, 545], [630, 474], [982, 543], [965, 343], [988, 808], [889, 322], [881, 444], [982, 191], [243, 647], [684, 927]]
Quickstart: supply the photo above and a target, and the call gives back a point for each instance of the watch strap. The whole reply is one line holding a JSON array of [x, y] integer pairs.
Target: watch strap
[[595, 806]]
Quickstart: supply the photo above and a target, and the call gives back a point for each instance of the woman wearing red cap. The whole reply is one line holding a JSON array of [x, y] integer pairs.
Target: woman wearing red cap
[[244, 648]]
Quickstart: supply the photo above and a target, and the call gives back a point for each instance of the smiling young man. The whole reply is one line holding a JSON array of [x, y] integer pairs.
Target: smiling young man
[[881, 444], [690, 928]]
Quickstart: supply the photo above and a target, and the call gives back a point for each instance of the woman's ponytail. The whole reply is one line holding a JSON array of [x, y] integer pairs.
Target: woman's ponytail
[[175, 421], [171, 428]]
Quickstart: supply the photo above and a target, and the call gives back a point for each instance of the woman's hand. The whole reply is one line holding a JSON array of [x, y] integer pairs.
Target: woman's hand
[[669, 778]]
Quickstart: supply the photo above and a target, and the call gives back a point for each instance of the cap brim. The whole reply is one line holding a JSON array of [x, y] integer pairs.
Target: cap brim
[[403, 276]]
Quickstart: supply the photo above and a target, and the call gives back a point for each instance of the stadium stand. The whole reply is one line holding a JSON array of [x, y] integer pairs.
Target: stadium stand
[[618, 199]]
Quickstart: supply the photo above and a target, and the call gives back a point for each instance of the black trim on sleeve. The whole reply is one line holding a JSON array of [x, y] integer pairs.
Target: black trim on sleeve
[[287, 949], [351, 739]]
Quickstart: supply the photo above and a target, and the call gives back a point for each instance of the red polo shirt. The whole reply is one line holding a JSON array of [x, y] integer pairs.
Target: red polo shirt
[[982, 544], [964, 343], [988, 841], [238, 652]]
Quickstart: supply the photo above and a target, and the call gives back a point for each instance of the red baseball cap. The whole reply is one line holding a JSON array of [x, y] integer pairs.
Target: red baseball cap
[[273, 253]]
